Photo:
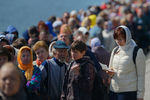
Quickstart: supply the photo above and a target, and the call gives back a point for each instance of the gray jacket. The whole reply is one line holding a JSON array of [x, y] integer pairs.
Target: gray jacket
[[53, 73]]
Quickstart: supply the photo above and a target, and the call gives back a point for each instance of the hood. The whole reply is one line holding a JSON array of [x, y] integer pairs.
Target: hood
[[128, 34], [129, 40]]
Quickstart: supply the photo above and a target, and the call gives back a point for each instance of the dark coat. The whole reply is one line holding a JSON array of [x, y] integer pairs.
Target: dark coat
[[78, 83], [21, 95], [101, 54]]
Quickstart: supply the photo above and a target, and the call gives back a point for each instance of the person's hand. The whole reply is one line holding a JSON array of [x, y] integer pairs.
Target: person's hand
[[109, 80], [140, 99], [110, 72]]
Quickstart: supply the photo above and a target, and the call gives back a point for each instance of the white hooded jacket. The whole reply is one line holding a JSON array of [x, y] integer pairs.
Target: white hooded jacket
[[128, 77]]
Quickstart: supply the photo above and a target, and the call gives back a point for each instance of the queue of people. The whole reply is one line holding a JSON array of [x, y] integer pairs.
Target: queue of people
[[85, 55]]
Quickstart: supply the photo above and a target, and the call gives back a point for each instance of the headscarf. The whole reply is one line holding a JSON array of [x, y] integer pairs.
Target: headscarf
[[93, 20], [28, 68], [95, 42]]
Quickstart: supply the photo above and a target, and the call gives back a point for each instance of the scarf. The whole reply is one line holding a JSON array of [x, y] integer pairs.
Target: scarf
[[28, 68], [38, 62]]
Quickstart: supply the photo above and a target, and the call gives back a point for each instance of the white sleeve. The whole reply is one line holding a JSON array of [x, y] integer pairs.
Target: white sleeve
[[140, 67]]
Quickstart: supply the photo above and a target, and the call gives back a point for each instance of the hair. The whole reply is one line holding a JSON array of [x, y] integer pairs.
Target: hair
[[51, 49], [40, 44], [11, 65], [18, 43], [77, 33], [16, 69], [65, 28], [3, 39], [33, 30], [42, 23], [52, 19], [99, 20], [79, 46], [10, 49], [5, 52], [119, 32]]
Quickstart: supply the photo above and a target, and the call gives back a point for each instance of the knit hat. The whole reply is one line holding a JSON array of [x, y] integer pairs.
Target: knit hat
[[11, 29]]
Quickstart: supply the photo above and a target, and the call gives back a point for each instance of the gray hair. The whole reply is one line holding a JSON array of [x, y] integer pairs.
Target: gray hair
[[99, 20], [51, 49]]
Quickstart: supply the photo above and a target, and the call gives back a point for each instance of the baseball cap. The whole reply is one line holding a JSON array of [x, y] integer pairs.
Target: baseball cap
[[60, 45]]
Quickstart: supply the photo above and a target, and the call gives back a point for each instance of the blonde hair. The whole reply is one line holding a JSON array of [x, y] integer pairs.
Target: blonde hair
[[40, 44]]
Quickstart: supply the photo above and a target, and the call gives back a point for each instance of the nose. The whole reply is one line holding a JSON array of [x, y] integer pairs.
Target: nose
[[8, 81], [39, 54]]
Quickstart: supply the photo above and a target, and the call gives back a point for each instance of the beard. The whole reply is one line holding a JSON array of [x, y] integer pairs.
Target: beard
[[62, 59]]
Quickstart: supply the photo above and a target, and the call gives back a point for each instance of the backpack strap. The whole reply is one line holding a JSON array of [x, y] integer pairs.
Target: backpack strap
[[136, 48], [116, 49]]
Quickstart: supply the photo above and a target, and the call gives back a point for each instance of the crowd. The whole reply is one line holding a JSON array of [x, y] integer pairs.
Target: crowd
[[98, 54]]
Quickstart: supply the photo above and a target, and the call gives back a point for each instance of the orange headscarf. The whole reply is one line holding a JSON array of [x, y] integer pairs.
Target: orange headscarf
[[28, 68]]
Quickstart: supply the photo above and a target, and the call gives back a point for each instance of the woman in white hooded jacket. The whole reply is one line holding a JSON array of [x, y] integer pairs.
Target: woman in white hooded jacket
[[128, 81]]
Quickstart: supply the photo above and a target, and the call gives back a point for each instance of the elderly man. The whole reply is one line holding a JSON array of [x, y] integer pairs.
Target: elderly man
[[53, 71]]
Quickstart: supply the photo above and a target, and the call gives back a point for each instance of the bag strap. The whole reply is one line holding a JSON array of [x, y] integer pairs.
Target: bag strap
[[136, 48], [116, 50]]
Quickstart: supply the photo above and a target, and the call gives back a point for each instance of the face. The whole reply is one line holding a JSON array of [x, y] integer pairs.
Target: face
[[3, 59], [120, 41], [3, 43], [9, 82], [44, 36], [64, 37], [105, 25], [25, 57], [61, 54], [75, 54], [41, 54], [66, 17]]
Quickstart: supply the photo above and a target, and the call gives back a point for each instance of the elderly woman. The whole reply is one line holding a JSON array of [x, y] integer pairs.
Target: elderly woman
[[32, 73], [11, 84], [100, 52], [41, 50]]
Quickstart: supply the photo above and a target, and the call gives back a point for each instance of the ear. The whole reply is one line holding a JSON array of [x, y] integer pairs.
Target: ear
[[83, 52], [73, 38]]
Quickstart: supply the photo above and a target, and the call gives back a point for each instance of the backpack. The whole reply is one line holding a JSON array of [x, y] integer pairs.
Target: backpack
[[136, 48]]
